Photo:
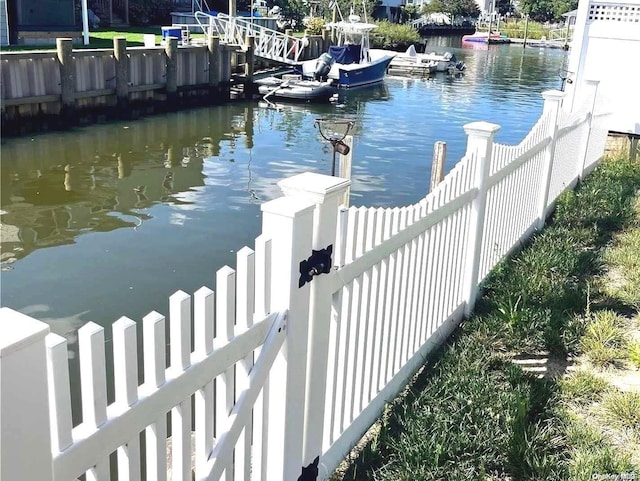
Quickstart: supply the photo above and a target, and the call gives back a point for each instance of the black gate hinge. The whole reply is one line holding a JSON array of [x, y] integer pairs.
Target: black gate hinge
[[310, 473], [319, 263]]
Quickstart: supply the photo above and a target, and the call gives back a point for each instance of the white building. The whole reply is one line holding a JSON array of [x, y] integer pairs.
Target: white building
[[606, 48]]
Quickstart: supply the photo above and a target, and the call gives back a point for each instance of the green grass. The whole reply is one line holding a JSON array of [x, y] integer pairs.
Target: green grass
[[103, 38], [593, 453], [634, 353], [622, 409], [583, 386], [625, 266], [604, 341], [472, 413]]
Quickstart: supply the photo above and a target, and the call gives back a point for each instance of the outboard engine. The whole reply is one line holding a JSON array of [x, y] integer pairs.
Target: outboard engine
[[323, 66]]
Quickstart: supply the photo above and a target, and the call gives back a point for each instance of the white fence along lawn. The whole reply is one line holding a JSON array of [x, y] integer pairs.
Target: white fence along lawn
[[296, 354]]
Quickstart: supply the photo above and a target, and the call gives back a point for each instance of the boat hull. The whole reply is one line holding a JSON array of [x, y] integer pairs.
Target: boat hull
[[359, 75], [296, 90]]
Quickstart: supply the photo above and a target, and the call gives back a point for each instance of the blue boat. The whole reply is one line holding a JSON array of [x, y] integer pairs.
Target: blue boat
[[350, 63]]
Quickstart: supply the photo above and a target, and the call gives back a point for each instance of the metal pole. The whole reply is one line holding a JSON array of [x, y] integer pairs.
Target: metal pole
[[333, 163]]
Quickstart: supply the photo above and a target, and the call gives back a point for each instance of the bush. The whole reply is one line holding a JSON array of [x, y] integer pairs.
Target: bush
[[315, 26], [393, 36]]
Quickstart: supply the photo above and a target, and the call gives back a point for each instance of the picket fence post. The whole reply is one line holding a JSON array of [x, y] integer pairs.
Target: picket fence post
[[25, 434], [592, 86], [551, 108], [480, 145], [327, 193], [289, 225]]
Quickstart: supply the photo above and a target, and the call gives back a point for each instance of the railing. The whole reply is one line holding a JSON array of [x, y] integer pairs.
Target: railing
[[270, 44], [358, 297]]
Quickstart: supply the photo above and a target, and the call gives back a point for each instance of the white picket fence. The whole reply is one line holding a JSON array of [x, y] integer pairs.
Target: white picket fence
[[277, 375]]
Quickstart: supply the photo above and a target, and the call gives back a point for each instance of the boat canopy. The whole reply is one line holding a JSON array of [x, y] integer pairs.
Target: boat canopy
[[345, 54]]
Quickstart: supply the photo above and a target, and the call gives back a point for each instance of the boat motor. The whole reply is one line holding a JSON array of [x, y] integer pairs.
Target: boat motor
[[323, 66]]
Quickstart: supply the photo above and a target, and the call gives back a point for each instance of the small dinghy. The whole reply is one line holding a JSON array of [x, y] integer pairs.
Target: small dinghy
[[296, 88]]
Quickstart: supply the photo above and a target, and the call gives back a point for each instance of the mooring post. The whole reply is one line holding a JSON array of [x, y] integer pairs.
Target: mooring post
[[67, 87], [122, 72], [526, 30], [249, 66], [437, 166], [213, 44], [171, 50]]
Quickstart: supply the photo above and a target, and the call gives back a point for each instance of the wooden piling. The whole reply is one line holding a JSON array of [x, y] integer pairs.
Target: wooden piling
[[437, 166], [122, 71], [213, 44], [526, 30], [249, 43], [171, 50], [67, 87]]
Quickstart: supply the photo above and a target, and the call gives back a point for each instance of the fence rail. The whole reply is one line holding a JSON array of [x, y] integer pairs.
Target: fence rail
[[277, 375]]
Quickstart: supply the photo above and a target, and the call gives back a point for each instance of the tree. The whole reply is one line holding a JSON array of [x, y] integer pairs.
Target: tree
[[408, 13], [434, 6], [463, 8]]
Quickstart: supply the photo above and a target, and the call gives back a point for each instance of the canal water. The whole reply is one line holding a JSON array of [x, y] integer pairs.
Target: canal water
[[110, 220]]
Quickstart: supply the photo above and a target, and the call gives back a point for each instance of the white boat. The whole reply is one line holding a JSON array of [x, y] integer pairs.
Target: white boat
[[486, 37], [351, 63], [296, 88], [411, 61]]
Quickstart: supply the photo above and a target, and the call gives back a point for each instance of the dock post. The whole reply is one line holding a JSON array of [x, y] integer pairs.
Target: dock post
[[122, 72], [67, 85], [215, 55], [526, 30], [437, 166], [249, 66], [171, 50]]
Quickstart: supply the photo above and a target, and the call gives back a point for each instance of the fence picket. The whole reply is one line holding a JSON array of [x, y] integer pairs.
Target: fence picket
[[180, 358], [154, 344], [225, 330], [93, 381], [244, 319], [203, 327], [125, 368], [261, 406], [59, 393]]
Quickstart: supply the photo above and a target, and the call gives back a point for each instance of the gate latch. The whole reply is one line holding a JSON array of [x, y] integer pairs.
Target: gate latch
[[319, 263]]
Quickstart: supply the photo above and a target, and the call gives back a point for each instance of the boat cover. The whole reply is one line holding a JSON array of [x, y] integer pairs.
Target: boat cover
[[345, 54]]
